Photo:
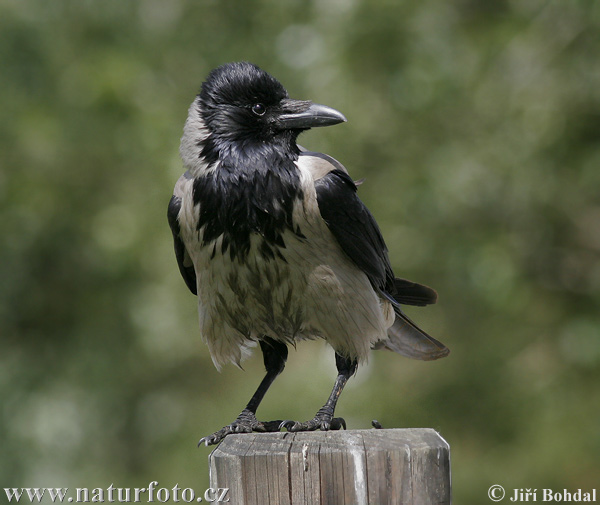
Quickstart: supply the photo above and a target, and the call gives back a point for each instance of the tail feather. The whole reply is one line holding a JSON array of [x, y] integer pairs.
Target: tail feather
[[407, 339], [411, 293]]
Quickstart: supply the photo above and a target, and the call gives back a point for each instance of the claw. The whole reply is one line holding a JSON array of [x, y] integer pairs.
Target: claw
[[245, 423], [269, 426], [287, 424], [211, 440], [337, 423], [216, 437], [319, 422]]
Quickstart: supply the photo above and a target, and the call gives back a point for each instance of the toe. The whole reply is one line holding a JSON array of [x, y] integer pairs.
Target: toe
[[337, 423], [299, 427], [245, 423], [210, 440], [268, 426], [216, 437], [287, 424]]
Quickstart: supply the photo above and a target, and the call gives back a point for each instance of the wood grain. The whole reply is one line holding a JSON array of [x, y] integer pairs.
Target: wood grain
[[356, 467]]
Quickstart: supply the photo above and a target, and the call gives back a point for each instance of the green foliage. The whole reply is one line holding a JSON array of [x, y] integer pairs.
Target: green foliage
[[476, 125]]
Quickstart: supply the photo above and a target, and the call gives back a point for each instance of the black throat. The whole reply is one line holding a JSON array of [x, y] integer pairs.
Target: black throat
[[251, 192]]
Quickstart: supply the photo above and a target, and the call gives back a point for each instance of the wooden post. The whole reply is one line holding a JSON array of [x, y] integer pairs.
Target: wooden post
[[357, 467]]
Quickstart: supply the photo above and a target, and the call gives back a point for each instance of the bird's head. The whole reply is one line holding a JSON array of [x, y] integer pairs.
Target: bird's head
[[241, 105]]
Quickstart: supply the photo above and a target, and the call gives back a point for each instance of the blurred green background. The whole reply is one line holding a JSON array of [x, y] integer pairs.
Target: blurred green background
[[477, 127]]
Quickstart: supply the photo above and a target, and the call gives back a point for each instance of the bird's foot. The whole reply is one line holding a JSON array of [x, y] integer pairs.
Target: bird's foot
[[246, 422], [323, 420]]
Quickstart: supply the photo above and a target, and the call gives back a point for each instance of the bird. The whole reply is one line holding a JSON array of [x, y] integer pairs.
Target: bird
[[277, 246]]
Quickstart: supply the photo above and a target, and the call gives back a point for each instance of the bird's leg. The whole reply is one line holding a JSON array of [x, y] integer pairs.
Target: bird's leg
[[324, 419], [275, 355]]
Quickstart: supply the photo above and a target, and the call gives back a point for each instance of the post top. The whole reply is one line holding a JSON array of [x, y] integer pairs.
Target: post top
[[367, 439], [334, 467]]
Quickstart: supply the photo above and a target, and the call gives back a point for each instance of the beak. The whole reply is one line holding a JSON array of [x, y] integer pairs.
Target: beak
[[302, 115]]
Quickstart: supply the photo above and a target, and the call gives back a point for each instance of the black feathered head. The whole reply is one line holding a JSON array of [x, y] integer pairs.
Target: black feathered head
[[240, 106], [239, 101]]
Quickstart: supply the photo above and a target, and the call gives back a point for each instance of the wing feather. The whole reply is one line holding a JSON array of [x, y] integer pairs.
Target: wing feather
[[354, 227], [360, 238], [184, 261]]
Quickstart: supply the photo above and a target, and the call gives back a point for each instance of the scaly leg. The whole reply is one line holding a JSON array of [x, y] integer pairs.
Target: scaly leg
[[275, 355], [324, 419]]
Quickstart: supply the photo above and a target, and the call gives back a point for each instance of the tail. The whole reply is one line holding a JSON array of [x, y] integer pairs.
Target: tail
[[406, 338], [411, 293]]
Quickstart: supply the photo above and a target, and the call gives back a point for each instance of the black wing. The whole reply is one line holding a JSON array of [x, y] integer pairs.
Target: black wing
[[184, 261], [355, 228], [357, 232]]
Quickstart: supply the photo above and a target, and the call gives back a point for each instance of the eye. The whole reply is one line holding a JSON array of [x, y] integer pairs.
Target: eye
[[259, 109]]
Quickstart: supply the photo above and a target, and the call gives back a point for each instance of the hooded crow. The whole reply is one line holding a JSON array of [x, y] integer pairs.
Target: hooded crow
[[276, 244]]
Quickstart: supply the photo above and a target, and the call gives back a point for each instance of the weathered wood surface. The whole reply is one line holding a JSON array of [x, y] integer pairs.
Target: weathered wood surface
[[356, 467]]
